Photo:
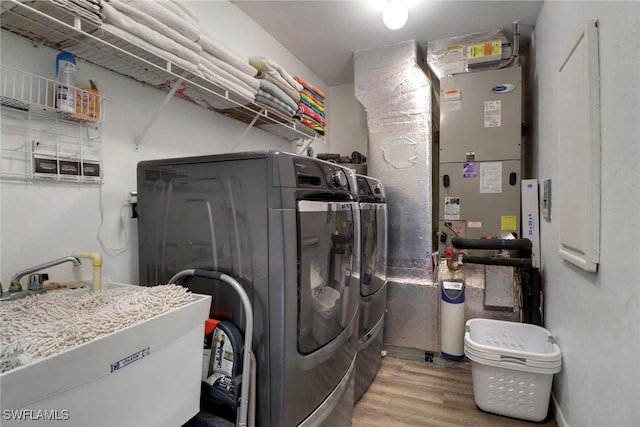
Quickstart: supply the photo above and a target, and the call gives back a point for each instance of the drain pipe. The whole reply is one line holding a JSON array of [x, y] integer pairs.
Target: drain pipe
[[499, 244], [508, 262], [524, 245], [516, 41], [96, 258], [515, 51]]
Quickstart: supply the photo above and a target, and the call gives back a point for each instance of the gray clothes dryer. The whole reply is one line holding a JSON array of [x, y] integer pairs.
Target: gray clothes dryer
[[285, 226], [373, 283]]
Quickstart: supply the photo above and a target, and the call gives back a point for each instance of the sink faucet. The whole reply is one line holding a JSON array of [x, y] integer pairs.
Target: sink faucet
[[15, 285]]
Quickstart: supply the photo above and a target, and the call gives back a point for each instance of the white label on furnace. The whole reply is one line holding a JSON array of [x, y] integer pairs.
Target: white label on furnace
[[452, 208], [491, 177], [453, 59], [492, 114], [452, 99]]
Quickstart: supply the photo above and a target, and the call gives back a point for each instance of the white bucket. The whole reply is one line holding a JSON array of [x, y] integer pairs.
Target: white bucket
[[325, 307]]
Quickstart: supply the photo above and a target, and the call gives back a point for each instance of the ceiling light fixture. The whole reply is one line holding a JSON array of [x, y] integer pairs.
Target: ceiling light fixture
[[395, 14]]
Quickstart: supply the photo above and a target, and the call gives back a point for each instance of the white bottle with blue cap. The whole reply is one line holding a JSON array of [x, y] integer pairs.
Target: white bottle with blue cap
[[65, 76]]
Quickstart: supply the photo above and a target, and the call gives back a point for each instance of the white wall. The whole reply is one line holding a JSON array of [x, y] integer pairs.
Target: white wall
[[347, 122], [42, 221], [595, 317]]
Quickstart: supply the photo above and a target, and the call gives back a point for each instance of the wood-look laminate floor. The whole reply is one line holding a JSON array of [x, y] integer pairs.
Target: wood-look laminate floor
[[420, 394]]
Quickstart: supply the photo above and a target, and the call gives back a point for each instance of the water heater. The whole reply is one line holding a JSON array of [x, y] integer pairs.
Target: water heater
[[480, 157]]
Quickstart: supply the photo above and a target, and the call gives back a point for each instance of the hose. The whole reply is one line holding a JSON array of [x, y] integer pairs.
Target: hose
[[519, 244], [508, 262]]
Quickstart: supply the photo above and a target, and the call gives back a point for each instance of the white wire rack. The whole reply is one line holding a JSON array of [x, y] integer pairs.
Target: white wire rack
[[47, 23], [42, 141], [24, 90]]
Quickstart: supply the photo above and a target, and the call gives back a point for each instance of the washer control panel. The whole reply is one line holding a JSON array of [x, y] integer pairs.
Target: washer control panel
[[315, 173]]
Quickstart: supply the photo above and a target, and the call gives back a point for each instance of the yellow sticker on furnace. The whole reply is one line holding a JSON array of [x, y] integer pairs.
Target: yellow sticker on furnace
[[508, 222]]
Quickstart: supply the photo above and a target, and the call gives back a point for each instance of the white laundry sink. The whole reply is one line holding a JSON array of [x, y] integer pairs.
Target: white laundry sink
[[147, 374]]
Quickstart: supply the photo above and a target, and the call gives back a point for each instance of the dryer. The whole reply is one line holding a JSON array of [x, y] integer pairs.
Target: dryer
[[373, 283], [286, 228]]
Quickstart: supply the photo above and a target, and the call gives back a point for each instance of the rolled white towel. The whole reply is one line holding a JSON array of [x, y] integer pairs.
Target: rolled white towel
[[130, 9], [160, 11], [180, 8], [181, 62], [226, 55], [224, 83], [209, 66], [161, 41], [252, 82]]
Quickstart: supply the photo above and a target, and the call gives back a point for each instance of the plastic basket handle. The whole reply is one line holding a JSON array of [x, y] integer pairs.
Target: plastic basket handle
[[518, 360]]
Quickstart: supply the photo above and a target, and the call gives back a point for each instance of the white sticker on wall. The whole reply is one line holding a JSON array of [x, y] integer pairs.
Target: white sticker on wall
[[452, 208], [491, 177], [492, 114]]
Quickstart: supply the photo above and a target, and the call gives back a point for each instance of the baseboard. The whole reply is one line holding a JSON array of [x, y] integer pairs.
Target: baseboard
[[560, 419]]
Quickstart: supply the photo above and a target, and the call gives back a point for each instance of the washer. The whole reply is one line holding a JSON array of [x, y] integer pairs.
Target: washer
[[286, 227], [373, 283]]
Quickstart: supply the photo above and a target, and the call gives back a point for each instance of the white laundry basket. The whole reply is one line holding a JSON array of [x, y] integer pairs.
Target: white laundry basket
[[512, 366]]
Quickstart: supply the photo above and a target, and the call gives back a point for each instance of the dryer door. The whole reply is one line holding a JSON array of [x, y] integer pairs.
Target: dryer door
[[373, 220], [326, 302]]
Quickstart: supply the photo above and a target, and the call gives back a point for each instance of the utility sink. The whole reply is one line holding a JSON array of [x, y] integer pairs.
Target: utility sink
[[147, 374], [8, 298]]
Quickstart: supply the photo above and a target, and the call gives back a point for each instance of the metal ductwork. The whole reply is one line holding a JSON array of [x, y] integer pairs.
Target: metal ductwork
[[397, 96]]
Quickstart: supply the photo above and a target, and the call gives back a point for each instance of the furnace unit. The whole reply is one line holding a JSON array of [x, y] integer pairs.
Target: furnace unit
[[480, 158]]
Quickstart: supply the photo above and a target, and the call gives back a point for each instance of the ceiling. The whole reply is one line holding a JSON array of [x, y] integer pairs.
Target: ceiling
[[323, 34]]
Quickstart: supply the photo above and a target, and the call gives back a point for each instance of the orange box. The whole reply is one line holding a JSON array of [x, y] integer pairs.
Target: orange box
[[87, 103]]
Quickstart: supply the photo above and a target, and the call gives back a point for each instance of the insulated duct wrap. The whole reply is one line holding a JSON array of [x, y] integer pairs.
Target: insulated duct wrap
[[396, 95]]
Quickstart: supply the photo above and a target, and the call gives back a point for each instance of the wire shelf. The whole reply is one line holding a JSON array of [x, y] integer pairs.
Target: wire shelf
[[26, 91], [54, 26], [42, 141]]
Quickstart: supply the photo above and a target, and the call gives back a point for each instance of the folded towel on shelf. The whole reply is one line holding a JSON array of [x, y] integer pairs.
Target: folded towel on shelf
[[272, 91], [307, 121], [241, 90], [252, 82], [313, 107], [317, 92], [281, 83], [226, 55], [141, 17], [134, 39], [262, 63], [310, 99], [83, 8], [161, 41], [178, 7], [312, 114], [273, 103], [159, 11]]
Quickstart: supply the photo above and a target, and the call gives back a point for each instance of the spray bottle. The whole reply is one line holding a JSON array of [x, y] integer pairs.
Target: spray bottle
[[65, 76]]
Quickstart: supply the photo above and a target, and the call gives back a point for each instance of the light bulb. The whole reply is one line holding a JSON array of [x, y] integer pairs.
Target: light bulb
[[395, 14]]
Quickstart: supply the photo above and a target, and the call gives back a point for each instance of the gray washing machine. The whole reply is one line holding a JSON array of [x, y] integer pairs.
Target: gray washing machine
[[373, 283], [286, 228]]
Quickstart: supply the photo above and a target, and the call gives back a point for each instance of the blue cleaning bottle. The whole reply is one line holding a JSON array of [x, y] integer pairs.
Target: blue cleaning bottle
[[65, 76]]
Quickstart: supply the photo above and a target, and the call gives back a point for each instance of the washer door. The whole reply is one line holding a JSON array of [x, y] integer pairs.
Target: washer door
[[326, 233], [373, 220]]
